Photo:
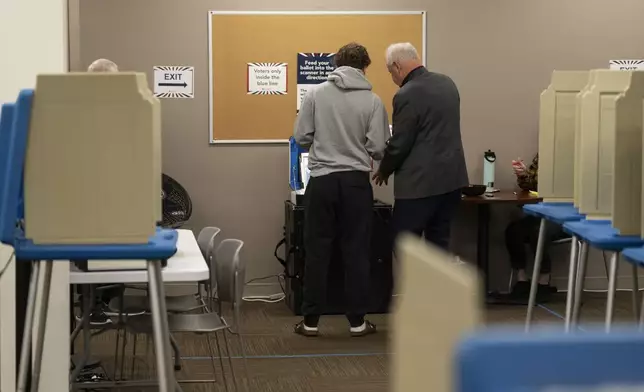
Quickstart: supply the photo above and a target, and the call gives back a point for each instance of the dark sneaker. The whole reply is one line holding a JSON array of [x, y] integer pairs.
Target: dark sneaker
[[367, 328], [520, 291], [97, 318], [304, 330]]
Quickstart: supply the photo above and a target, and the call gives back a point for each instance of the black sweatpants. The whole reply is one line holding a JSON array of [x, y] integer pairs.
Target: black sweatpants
[[429, 216], [338, 210]]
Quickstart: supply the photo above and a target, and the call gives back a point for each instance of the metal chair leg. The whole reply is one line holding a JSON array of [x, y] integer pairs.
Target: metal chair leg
[[572, 275], [536, 270], [88, 295], [612, 286], [177, 353], [221, 361], [230, 361], [160, 328], [636, 294], [243, 353], [134, 344], [125, 333], [41, 327], [579, 283], [25, 349], [116, 352]]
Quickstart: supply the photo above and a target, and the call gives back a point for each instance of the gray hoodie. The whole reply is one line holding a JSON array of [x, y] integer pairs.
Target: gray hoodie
[[343, 123]]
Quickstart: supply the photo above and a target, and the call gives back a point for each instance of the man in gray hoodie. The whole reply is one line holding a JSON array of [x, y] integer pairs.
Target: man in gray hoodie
[[344, 125]]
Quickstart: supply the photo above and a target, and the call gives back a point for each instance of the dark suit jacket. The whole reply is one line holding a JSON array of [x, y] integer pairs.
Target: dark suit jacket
[[426, 151]]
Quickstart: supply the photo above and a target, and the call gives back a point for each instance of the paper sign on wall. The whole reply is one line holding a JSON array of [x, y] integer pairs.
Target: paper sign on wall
[[174, 82], [267, 79], [627, 65], [312, 69]]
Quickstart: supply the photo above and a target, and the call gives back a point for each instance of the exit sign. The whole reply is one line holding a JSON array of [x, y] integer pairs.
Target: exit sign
[[174, 82], [627, 65]]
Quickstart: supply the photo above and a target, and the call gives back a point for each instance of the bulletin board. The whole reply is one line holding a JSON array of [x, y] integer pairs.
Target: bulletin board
[[239, 41]]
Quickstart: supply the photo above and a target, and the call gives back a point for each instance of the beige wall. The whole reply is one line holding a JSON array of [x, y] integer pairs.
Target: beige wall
[[499, 52], [34, 40]]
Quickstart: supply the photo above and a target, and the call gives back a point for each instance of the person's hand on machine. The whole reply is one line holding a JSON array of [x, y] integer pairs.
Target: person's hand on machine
[[380, 179]]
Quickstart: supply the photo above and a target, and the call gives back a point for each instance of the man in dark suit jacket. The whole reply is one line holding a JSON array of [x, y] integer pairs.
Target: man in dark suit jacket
[[425, 151]]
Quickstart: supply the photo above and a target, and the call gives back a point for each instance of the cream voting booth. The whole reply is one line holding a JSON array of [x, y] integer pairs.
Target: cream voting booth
[[439, 303], [557, 124], [103, 172], [577, 150], [86, 149], [608, 109]]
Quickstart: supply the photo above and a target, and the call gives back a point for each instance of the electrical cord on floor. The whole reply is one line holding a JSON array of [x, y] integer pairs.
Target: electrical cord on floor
[[7, 264], [271, 299]]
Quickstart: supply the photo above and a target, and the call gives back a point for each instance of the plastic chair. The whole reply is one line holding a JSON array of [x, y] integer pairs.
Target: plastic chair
[[161, 246], [229, 273], [558, 213], [207, 240]]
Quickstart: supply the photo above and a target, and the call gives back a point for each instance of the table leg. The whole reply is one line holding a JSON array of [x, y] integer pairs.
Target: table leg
[[27, 335], [41, 327], [572, 280], [483, 243], [23, 278], [579, 283], [160, 328], [612, 287], [636, 293]]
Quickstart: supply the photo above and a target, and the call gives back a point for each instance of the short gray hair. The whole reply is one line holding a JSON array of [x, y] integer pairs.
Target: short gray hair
[[103, 65], [400, 52]]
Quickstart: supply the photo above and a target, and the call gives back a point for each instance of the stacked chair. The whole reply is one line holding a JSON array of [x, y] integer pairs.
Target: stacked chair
[[59, 142], [203, 314], [601, 122]]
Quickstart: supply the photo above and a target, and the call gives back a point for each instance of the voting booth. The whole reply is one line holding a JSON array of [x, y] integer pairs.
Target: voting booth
[[627, 180], [557, 125], [611, 117], [577, 149], [438, 304], [102, 172]]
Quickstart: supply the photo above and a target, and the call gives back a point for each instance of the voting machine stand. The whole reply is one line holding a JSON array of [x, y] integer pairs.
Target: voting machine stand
[[380, 256]]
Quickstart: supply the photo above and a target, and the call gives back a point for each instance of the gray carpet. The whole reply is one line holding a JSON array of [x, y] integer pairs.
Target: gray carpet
[[279, 361]]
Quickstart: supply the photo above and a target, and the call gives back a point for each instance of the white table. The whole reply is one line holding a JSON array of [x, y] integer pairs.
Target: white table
[[187, 265]]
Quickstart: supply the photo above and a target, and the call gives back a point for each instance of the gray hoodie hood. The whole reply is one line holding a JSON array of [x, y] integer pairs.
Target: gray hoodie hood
[[349, 78], [343, 123]]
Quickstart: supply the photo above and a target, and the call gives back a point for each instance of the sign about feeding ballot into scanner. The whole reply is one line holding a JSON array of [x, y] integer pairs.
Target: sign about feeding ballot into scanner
[[627, 65], [174, 82], [267, 79], [312, 69]]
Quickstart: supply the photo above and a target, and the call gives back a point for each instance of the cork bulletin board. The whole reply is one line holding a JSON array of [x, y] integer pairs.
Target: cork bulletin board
[[241, 42]]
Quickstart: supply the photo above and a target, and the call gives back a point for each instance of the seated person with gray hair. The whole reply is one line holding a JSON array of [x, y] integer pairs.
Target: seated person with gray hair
[[103, 65]]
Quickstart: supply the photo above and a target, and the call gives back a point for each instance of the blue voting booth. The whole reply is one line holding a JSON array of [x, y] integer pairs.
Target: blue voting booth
[[550, 360]]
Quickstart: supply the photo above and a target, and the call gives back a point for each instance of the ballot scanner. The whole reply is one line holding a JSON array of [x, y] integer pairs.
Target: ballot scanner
[[298, 171]]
